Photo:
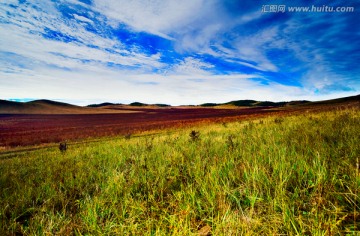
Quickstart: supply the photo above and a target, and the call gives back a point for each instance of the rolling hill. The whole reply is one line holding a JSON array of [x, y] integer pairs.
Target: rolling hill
[[254, 103], [50, 107], [54, 107]]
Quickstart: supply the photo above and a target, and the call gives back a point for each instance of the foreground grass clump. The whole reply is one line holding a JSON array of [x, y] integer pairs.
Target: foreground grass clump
[[294, 175]]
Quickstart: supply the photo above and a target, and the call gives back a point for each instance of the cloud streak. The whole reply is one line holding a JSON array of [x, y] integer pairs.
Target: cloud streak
[[174, 52]]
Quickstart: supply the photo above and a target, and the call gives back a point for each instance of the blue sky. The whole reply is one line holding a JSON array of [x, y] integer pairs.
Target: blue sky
[[177, 52]]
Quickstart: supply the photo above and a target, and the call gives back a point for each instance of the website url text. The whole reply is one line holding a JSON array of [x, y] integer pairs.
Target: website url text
[[323, 8]]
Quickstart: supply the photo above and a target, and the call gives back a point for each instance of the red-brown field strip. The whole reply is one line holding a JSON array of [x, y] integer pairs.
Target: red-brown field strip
[[32, 129], [21, 130]]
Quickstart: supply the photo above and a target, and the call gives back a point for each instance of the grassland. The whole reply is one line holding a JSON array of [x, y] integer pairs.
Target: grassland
[[291, 175]]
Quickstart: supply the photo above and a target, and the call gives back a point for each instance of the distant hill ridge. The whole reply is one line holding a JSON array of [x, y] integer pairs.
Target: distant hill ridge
[[44, 106], [254, 103], [133, 104], [36, 107], [241, 103], [51, 102], [35, 102], [104, 104]]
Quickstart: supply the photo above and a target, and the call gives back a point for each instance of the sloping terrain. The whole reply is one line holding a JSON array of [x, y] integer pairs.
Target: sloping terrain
[[339, 100], [46, 121], [282, 175], [254, 103], [49, 107]]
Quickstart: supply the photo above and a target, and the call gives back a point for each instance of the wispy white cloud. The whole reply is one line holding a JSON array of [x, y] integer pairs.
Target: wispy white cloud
[[23, 35], [192, 66], [253, 48], [157, 17], [76, 54], [83, 19], [324, 56], [90, 87]]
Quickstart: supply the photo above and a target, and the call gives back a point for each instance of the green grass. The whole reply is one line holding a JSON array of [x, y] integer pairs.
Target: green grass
[[295, 175]]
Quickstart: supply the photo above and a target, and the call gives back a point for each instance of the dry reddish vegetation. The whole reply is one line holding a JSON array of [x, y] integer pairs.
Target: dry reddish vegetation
[[32, 129]]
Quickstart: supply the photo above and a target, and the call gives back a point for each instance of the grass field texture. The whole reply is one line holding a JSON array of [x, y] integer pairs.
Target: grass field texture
[[291, 175]]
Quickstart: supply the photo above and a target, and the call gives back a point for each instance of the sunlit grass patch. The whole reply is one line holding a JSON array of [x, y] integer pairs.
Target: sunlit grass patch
[[287, 175]]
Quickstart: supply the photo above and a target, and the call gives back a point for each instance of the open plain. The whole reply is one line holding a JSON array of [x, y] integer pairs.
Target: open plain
[[183, 171], [29, 129]]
